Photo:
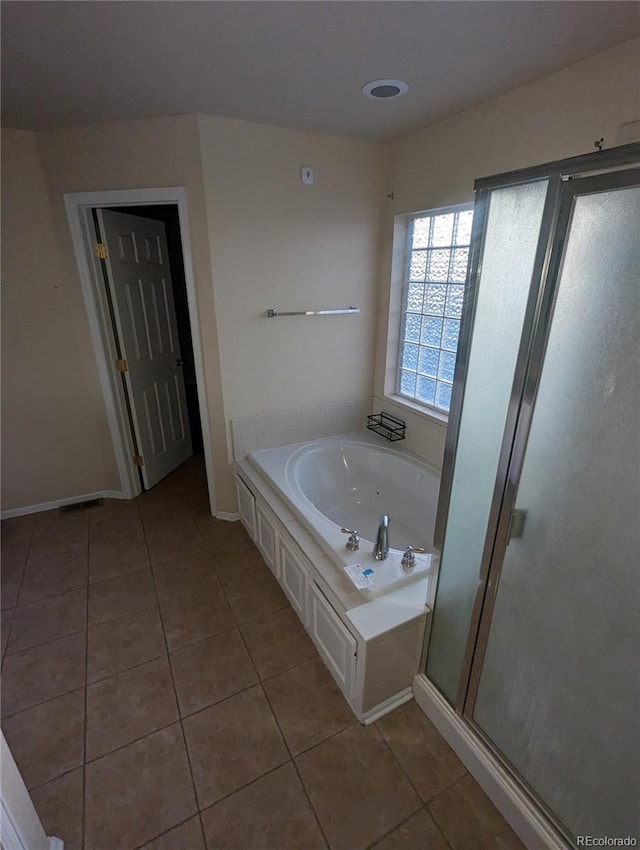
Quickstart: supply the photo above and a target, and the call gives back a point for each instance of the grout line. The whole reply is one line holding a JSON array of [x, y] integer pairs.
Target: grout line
[[406, 820], [166, 832], [204, 836], [219, 701], [152, 606], [286, 743], [245, 786], [10, 613], [423, 804], [121, 575], [24, 568], [49, 640], [180, 719], [201, 639], [397, 761], [294, 667], [311, 806], [328, 738], [52, 595], [60, 554], [43, 701], [93, 582], [446, 788], [393, 828], [438, 827], [121, 541], [290, 760], [134, 741], [37, 787], [173, 682], [125, 670]]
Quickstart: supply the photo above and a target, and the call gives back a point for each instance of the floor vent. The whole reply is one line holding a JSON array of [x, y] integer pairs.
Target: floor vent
[[80, 506]]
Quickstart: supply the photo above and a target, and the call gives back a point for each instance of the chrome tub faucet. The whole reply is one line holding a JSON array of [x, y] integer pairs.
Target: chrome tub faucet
[[381, 546]]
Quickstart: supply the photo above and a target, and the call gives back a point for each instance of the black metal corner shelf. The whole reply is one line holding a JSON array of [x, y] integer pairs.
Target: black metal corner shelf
[[387, 426]]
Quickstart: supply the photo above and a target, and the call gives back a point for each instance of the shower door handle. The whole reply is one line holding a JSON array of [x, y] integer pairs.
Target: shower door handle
[[516, 524], [178, 362]]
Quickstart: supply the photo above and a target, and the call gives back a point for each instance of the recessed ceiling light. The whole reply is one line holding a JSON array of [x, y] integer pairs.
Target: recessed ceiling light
[[385, 89]]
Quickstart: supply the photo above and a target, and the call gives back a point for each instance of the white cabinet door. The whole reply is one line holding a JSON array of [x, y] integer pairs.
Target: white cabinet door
[[335, 643], [267, 538], [294, 578], [246, 507]]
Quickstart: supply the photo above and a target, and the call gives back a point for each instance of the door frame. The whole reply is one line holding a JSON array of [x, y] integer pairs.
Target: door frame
[[79, 207]]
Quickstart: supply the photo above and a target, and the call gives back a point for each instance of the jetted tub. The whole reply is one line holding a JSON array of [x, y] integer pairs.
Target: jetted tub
[[350, 481]]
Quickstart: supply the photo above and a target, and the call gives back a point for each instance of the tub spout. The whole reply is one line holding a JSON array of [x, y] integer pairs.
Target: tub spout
[[381, 547]]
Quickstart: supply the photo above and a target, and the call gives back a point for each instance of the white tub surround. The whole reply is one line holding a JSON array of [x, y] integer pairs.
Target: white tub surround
[[426, 431], [370, 638], [284, 427]]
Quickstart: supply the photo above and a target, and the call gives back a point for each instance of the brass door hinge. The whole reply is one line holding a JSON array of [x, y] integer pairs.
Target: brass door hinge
[[121, 365], [101, 251], [138, 460]]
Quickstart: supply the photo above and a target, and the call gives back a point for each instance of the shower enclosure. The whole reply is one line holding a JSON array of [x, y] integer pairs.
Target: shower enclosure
[[535, 631]]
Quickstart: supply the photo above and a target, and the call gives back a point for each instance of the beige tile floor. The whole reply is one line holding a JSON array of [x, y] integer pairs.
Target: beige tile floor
[[160, 693]]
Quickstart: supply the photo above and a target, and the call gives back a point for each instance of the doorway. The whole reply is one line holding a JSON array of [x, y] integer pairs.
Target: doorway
[[166, 208], [143, 272], [168, 215]]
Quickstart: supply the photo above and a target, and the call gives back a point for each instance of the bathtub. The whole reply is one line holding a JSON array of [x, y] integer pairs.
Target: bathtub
[[349, 481]]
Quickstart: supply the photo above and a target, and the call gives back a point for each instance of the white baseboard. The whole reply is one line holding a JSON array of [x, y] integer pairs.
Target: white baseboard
[[58, 503], [56, 843], [228, 517], [522, 815]]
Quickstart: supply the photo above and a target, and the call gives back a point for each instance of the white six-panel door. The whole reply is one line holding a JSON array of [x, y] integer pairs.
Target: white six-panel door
[[137, 267]]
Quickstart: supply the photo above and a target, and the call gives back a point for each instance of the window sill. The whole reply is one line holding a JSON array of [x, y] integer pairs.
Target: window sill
[[430, 415]]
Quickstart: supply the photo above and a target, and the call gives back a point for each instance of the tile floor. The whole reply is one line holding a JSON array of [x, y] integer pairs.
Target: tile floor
[[160, 693]]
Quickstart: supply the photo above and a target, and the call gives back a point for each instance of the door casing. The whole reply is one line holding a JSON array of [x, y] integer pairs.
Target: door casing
[[79, 206]]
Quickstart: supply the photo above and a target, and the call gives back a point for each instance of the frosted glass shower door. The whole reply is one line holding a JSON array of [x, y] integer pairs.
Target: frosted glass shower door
[[558, 691], [508, 259]]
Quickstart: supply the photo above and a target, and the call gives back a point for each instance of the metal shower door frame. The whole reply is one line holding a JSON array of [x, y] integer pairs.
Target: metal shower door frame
[[495, 551], [560, 175]]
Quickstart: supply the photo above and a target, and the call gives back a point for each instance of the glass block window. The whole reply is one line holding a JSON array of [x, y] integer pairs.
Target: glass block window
[[436, 270]]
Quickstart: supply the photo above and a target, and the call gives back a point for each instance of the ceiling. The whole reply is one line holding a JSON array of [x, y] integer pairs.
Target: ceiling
[[294, 64]]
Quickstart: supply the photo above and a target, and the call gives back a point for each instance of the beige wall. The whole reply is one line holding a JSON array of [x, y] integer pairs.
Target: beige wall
[[276, 242], [260, 239], [55, 437], [145, 154], [556, 117], [269, 240]]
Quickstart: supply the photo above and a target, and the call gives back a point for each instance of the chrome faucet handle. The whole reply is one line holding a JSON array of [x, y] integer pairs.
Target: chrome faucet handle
[[353, 543], [409, 557]]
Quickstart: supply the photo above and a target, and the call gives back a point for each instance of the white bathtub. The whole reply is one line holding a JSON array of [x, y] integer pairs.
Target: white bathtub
[[351, 480]]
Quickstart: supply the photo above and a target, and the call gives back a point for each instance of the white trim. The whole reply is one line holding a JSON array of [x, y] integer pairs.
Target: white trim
[[78, 206], [228, 517], [20, 826], [58, 503], [515, 806], [55, 843], [9, 835], [428, 414], [400, 261], [10, 838]]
